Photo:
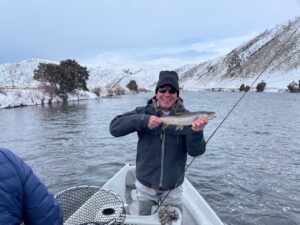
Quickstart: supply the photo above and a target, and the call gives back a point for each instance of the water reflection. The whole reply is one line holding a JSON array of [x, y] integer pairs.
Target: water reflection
[[249, 175]]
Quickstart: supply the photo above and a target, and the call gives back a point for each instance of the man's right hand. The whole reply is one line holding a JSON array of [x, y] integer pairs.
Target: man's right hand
[[154, 122]]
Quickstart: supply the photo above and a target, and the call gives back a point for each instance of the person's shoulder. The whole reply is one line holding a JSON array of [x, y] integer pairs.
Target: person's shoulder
[[9, 166], [140, 108], [6, 154]]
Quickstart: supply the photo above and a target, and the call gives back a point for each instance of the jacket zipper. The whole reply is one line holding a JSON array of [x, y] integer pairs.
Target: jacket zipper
[[162, 159]]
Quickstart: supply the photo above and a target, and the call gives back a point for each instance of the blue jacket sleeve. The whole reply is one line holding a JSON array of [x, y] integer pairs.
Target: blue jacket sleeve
[[195, 143], [33, 202], [129, 123], [40, 207]]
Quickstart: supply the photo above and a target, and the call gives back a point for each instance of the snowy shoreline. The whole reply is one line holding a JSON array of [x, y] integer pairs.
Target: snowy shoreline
[[12, 98]]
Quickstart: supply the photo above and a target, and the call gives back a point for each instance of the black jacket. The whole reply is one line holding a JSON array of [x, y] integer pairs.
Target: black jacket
[[161, 153]]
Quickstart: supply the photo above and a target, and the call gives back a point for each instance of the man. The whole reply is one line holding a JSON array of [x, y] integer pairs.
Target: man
[[22, 195], [161, 153]]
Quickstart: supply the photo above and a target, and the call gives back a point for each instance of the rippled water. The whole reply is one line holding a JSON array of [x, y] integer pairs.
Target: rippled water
[[250, 173]]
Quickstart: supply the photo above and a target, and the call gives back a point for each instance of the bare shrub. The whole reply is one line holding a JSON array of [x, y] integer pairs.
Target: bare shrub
[[97, 91], [110, 92], [18, 93], [2, 91], [64, 97], [143, 90], [48, 89], [120, 91]]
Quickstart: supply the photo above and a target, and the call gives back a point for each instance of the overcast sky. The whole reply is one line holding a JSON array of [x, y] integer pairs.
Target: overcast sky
[[94, 30]]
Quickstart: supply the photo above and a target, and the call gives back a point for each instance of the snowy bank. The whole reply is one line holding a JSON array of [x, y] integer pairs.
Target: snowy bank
[[24, 97]]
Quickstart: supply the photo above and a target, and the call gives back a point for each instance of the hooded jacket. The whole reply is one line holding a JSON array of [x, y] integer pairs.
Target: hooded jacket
[[161, 153], [22, 195]]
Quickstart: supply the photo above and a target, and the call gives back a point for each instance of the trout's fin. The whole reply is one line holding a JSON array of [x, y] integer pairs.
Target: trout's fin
[[164, 126], [179, 128]]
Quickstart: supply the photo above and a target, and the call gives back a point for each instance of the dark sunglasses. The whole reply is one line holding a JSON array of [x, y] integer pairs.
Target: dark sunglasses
[[163, 90]]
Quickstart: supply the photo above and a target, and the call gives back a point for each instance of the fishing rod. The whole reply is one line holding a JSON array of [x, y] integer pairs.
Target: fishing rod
[[235, 105]]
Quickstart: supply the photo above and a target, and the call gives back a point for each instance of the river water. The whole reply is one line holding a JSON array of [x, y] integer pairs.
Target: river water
[[250, 173]]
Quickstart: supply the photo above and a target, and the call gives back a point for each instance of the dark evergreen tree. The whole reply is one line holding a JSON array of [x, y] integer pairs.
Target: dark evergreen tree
[[261, 86], [65, 77], [242, 87], [294, 87], [48, 73], [247, 88], [73, 76], [132, 85]]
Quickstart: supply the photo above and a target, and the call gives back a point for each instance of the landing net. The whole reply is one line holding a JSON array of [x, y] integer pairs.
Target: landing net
[[91, 205]]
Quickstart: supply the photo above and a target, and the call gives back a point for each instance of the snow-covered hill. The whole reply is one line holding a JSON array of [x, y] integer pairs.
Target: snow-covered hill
[[274, 56], [119, 74], [107, 75], [242, 65]]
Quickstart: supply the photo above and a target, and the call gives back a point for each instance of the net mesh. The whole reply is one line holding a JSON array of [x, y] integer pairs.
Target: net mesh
[[83, 205]]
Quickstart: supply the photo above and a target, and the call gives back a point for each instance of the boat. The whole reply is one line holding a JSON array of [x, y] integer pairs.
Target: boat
[[116, 203]]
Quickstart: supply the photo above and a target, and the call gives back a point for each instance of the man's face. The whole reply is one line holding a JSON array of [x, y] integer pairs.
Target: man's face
[[166, 97]]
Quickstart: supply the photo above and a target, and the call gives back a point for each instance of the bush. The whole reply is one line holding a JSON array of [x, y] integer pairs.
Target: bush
[[132, 86], [244, 88], [97, 91], [2, 91], [48, 73], [64, 78], [120, 91], [294, 87], [73, 77], [261, 86], [48, 89], [142, 90], [110, 92]]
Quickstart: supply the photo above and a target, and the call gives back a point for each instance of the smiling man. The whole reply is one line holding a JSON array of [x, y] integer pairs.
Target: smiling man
[[161, 153]]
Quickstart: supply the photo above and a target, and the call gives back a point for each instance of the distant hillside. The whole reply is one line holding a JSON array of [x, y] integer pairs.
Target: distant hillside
[[242, 65], [107, 75]]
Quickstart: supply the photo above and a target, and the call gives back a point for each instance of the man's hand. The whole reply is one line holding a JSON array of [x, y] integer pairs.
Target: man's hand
[[154, 122], [199, 124]]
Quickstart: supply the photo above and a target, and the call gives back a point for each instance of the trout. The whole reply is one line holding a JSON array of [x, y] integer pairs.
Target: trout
[[185, 119]]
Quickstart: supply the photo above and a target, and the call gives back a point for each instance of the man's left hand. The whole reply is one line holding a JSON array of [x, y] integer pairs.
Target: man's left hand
[[199, 124]]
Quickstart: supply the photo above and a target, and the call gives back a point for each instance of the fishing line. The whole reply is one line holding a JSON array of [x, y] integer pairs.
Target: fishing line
[[235, 105]]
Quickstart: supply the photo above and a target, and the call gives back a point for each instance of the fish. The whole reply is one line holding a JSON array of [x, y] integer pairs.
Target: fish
[[185, 119]]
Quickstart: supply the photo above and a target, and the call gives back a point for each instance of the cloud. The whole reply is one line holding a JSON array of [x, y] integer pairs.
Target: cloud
[[188, 50], [83, 29]]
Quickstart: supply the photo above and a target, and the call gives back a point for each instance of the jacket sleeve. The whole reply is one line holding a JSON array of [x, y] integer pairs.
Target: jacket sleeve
[[128, 123], [39, 206], [195, 143], [10, 192], [33, 202]]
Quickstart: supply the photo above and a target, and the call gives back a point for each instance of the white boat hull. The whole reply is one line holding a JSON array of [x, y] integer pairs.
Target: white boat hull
[[196, 211], [85, 204]]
